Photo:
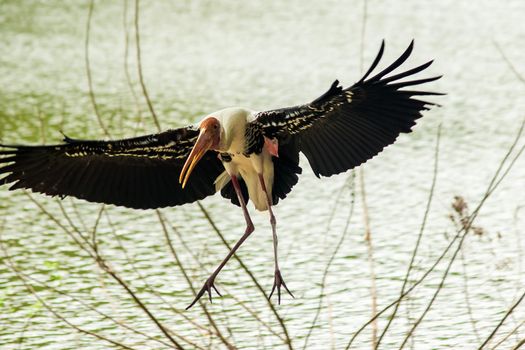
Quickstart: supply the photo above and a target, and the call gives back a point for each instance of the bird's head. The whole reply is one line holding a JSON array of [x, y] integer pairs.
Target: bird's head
[[209, 138]]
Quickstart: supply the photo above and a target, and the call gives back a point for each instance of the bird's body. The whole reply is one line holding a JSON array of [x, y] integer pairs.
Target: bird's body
[[245, 155], [236, 163]]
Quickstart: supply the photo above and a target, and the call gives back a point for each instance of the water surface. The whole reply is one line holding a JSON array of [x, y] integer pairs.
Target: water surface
[[201, 56]]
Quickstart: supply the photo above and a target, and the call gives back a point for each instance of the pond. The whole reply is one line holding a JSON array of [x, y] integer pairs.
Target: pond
[[200, 56]]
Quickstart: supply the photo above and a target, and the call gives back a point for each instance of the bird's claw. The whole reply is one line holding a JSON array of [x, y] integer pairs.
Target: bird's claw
[[277, 283], [207, 287]]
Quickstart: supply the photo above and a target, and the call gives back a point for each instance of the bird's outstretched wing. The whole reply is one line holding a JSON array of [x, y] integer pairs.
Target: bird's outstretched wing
[[345, 127], [141, 172]]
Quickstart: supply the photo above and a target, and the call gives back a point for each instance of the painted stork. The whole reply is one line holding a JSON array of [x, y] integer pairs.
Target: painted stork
[[241, 153]]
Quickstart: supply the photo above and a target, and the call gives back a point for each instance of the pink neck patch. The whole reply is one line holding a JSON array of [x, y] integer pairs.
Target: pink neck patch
[[272, 146]]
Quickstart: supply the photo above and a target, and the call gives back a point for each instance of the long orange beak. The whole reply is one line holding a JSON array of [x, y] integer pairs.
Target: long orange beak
[[203, 144]]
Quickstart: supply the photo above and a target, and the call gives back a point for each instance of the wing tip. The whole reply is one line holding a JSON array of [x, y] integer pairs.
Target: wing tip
[[380, 78], [375, 62], [398, 62]]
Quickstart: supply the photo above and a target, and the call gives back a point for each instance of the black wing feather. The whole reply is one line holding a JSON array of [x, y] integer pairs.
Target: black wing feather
[[343, 128], [285, 173], [375, 62], [404, 56], [140, 172]]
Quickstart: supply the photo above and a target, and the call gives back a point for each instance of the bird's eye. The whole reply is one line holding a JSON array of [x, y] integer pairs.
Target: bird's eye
[[216, 126]]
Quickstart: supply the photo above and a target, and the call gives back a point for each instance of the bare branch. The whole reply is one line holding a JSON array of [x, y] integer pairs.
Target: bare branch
[[88, 68], [139, 66]]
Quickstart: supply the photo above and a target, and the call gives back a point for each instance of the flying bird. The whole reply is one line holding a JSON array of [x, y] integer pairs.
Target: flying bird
[[246, 155]]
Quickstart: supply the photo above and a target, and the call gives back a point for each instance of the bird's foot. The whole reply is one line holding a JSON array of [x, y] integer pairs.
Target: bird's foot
[[207, 287], [277, 283]]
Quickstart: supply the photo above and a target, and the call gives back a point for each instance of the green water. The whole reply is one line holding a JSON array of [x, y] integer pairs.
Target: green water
[[202, 56]]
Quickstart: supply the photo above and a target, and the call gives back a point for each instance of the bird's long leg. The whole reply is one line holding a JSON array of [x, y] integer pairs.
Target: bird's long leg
[[278, 279], [209, 284]]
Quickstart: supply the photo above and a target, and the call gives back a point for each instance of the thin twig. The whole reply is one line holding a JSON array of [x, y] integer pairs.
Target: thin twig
[[91, 308], [126, 66], [253, 313], [131, 263], [59, 224], [408, 291], [493, 185], [335, 205], [366, 216], [363, 32], [88, 68], [95, 227], [370, 256], [143, 307], [330, 260], [99, 259], [288, 340], [88, 247], [420, 234], [519, 345], [507, 336], [467, 296], [79, 218], [507, 314], [139, 67], [188, 280], [21, 338], [518, 245], [509, 63], [88, 243], [30, 288]]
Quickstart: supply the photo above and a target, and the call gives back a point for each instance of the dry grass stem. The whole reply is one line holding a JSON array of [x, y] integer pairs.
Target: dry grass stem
[[419, 237], [88, 69], [139, 67]]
